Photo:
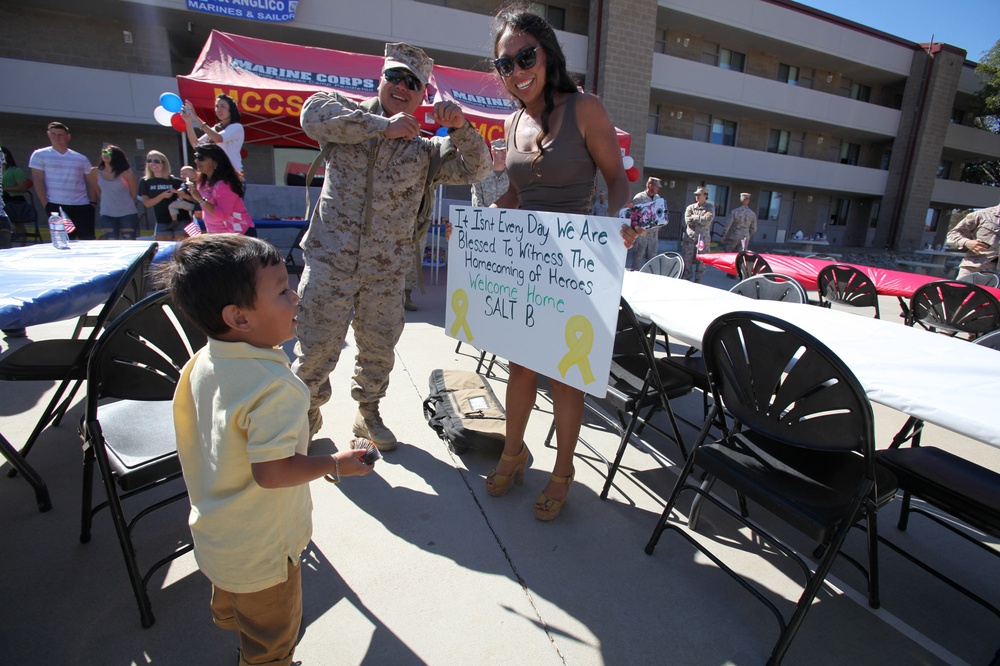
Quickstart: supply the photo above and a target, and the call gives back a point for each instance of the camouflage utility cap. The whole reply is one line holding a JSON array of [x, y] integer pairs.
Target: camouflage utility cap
[[410, 58]]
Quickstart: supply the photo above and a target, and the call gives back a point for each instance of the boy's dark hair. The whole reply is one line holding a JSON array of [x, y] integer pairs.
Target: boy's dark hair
[[210, 271], [55, 124]]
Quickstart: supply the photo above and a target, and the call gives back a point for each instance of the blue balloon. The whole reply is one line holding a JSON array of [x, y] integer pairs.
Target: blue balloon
[[171, 102], [442, 131]]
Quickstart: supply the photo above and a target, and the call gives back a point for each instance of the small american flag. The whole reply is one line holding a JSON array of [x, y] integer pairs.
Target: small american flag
[[192, 229], [68, 223]]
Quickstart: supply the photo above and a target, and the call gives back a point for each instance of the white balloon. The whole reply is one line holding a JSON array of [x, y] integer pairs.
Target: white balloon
[[162, 116], [628, 162]]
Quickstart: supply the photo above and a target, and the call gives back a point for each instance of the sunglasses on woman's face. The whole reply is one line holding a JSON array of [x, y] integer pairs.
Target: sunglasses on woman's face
[[200, 158], [395, 76], [525, 59], [154, 160], [105, 152]]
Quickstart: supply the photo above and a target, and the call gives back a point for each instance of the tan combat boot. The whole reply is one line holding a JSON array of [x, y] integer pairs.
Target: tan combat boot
[[408, 303], [368, 424]]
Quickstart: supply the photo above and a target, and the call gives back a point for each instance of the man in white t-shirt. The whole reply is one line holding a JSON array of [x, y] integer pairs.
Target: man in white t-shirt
[[62, 180]]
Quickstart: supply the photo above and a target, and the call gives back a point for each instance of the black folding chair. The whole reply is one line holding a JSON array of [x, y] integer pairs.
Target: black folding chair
[[750, 263], [771, 287], [846, 285], [802, 445], [982, 278], [128, 423], [65, 360], [667, 264], [954, 307]]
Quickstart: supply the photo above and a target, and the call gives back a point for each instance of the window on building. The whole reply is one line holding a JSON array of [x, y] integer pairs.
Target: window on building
[[788, 74], [719, 196], [944, 170], [850, 153], [886, 158], [861, 92], [556, 16], [710, 53], [660, 41], [932, 219], [838, 211], [958, 116], [723, 132], [770, 204], [733, 60], [777, 142], [653, 119]]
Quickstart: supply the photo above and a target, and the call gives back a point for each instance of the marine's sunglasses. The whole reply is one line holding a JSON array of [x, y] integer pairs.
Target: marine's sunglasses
[[525, 59], [395, 76]]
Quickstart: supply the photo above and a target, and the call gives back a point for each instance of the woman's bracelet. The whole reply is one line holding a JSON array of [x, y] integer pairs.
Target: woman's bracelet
[[336, 473]]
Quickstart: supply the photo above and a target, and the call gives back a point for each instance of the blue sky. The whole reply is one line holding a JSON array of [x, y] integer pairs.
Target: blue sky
[[973, 25]]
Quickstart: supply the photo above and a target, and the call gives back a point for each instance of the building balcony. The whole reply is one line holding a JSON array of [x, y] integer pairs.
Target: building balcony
[[728, 163], [721, 92], [956, 194], [970, 144]]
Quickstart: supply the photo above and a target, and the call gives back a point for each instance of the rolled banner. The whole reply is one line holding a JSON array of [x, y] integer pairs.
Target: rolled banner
[[178, 123], [171, 102], [162, 116]]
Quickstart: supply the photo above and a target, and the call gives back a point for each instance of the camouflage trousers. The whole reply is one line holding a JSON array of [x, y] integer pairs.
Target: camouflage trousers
[[328, 297], [693, 269], [645, 248], [734, 243]]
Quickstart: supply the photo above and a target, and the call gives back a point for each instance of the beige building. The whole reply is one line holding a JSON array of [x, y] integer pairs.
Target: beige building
[[833, 127]]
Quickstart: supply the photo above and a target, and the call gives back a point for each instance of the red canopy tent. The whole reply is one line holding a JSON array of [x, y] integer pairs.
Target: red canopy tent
[[270, 82]]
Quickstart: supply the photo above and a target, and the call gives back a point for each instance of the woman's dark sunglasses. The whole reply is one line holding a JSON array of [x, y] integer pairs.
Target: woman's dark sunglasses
[[395, 76], [154, 160], [525, 59], [200, 158]]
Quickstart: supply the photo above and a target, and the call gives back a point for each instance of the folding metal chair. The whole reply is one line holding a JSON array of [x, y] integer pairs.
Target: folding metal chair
[[846, 285], [954, 307]]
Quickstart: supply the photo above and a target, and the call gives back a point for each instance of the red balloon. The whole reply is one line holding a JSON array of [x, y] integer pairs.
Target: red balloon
[[177, 122], [633, 174], [243, 153]]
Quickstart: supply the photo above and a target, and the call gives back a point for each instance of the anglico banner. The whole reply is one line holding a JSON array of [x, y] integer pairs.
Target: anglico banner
[[269, 11]]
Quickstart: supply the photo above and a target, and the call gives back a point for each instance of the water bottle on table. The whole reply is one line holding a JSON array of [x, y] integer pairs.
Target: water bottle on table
[[57, 230]]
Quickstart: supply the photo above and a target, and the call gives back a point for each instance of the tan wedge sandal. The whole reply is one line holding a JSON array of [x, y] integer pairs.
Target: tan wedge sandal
[[501, 483], [547, 508]]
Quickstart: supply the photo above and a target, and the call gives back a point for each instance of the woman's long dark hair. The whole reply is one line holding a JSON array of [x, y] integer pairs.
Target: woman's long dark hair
[[119, 163], [234, 112], [224, 170], [517, 18], [8, 158]]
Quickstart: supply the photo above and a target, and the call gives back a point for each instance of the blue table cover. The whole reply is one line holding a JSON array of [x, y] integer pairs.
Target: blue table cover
[[40, 284]]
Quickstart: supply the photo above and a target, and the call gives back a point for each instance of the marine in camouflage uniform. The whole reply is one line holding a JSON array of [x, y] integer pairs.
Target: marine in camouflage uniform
[[980, 228], [646, 247], [360, 240], [698, 219], [742, 223]]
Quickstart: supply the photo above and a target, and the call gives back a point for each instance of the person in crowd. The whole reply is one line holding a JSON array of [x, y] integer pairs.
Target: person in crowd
[[556, 142], [360, 241], [242, 439], [227, 132], [698, 218], [219, 191], [116, 187], [600, 207], [62, 180], [978, 235], [489, 189], [158, 189], [15, 184], [185, 200], [647, 246], [741, 225]]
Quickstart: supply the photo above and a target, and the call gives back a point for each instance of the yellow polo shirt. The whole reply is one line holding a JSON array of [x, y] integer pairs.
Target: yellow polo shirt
[[237, 404]]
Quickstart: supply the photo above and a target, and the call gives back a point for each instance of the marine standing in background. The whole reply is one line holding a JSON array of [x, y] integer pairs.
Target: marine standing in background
[[647, 246], [698, 219], [741, 223], [978, 235], [360, 240]]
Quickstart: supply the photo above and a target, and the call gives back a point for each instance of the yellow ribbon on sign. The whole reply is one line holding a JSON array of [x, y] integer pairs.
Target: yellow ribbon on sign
[[579, 340], [460, 305]]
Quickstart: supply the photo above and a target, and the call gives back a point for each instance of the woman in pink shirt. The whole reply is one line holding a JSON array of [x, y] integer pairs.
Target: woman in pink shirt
[[219, 191]]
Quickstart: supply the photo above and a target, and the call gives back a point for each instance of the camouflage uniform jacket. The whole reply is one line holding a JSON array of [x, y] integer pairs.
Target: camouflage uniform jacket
[[742, 223], [490, 188], [374, 186], [984, 225], [698, 222]]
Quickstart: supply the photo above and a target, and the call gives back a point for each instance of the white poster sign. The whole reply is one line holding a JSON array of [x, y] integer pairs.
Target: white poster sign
[[540, 289]]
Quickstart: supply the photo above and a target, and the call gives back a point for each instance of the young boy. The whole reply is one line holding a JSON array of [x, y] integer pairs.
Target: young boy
[[188, 174], [242, 437]]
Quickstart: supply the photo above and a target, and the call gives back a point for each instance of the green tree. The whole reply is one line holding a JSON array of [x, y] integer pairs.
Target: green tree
[[988, 69]]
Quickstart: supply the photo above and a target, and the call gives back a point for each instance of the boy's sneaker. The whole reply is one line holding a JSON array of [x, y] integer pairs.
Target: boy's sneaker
[[368, 424]]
